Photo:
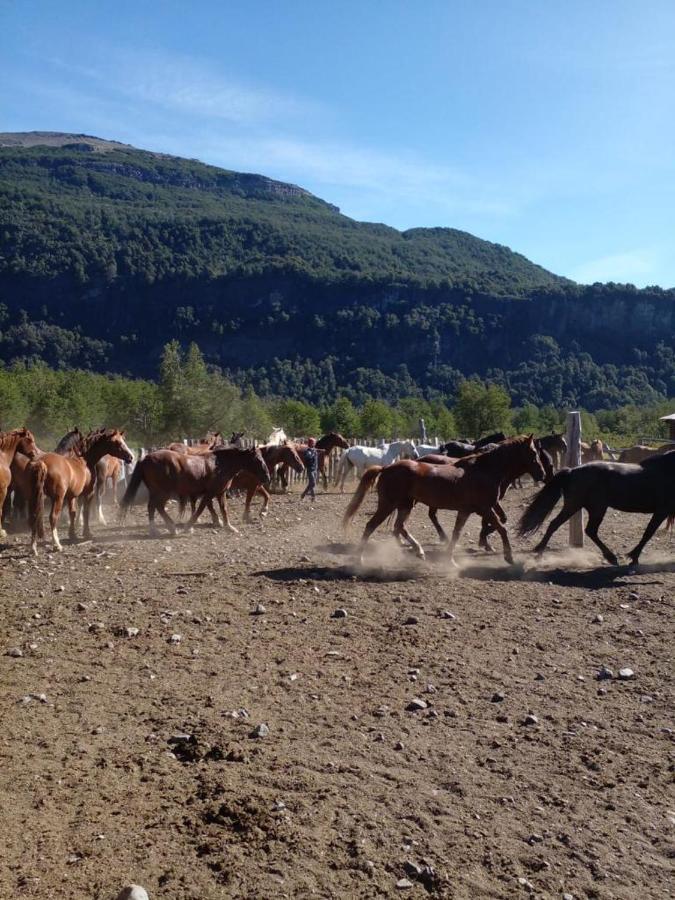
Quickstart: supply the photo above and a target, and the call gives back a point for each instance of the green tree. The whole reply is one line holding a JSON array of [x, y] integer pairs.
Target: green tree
[[342, 417], [298, 419], [376, 420], [481, 408]]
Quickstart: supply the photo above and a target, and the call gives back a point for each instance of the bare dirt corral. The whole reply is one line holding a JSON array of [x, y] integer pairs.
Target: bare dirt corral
[[98, 789]]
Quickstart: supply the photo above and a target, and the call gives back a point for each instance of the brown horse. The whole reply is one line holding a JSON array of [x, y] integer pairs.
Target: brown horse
[[471, 485], [108, 469], [247, 481], [591, 452], [21, 477], [20, 440], [324, 447], [486, 529], [169, 475], [69, 479]]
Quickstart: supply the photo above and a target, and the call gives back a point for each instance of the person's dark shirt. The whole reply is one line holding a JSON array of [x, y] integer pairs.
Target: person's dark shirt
[[311, 460]]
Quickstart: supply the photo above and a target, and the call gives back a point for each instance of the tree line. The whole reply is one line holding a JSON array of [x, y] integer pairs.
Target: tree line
[[188, 398]]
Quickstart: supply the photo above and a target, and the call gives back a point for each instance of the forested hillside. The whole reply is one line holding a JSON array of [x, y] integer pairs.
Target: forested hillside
[[108, 252]]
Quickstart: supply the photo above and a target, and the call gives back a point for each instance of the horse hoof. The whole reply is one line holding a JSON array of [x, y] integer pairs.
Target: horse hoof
[[3, 533]]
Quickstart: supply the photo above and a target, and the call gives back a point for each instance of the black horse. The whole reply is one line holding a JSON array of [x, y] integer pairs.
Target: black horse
[[459, 448], [645, 488]]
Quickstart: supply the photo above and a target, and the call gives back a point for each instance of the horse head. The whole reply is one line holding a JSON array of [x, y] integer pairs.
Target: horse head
[[112, 439], [26, 444], [290, 456]]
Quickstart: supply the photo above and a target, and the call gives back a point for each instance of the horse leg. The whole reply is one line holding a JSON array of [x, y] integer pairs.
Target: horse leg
[[460, 522], [433, 515], [72, 514], [381, 513], [595, 517], [266, 500], [493, 518], [565, 513], [322, 472], [485, 531], [214, 515], [226, 518], [55, 512], [250, 494], [152, 508], [652, 526], [100, 490], [402, 531], [3, 494], [86, 510], [168, 521]]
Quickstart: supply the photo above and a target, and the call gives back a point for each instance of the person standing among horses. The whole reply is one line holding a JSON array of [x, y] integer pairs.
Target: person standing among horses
[[311, 460]]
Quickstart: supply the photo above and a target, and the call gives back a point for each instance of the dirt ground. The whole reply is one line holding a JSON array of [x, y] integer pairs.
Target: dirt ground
[[138, 762]]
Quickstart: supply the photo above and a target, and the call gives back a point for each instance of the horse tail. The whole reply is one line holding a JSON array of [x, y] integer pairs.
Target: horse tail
[[670, 521], [367, 482], [130, 493], [38, 475], [543, 503]]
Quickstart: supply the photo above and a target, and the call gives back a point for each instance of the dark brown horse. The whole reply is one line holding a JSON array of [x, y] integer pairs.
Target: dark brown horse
[[486, 528], [469, 486], [20, 440], [69, 479], [645, 488], [555, 445], [247, 481], [170, 475]]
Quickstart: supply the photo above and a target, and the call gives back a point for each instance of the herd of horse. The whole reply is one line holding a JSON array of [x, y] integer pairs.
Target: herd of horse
[[469, 477]]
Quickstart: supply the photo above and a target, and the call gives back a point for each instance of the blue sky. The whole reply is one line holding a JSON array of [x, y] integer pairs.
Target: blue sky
[[546, 125]]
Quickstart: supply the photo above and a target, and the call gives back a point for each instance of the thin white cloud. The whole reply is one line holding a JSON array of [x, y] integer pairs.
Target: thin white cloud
[[630, 267], [186, 85]]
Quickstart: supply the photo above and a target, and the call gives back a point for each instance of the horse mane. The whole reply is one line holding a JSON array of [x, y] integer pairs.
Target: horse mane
[[89, 440], [6, 437], [69, 441], [483, 453]]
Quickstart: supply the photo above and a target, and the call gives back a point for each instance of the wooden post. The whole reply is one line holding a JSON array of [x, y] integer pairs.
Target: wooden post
[[572, 461]]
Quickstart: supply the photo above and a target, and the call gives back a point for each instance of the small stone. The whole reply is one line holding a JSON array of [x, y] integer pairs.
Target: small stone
[[430, 689], [633, 596], [527, 885], [60, 589], [598, 620], [497, 697], [96, 627], [131, 632], [258, 610], [626, 674], [446, 614], [604, 674], [530, 719], [260, 731], [403, 884], [16, 652], [539, 677], [416, 704], [535, 839], [340, 613], [568, 897], [133, 892], [81, 607], [399, 746], [411, 620], [412, 869], [175, 639]]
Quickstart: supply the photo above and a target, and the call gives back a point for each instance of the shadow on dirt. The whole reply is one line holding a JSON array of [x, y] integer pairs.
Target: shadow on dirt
[[473, 565]]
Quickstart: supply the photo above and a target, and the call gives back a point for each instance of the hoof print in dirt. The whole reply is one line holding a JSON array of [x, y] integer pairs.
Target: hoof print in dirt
[[187, 748]]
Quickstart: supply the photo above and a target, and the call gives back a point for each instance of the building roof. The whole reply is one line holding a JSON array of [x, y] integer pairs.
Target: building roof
[[670, 418]]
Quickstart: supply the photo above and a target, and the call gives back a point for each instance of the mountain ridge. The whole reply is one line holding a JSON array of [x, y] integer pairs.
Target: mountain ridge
[[107, 253]]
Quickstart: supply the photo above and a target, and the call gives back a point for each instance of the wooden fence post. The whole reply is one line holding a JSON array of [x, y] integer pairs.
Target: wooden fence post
[[572, 461]]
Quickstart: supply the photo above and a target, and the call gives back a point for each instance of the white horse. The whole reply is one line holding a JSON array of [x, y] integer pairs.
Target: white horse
[[277, 438], [425, 449], [362, 458]]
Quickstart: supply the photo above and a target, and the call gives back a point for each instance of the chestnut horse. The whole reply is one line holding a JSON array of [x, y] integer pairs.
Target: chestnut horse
[[168, 475], [20, 440], [471, 485], [486, 529], [591, 452], [21, 477], [69, 479], [246, 481]]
